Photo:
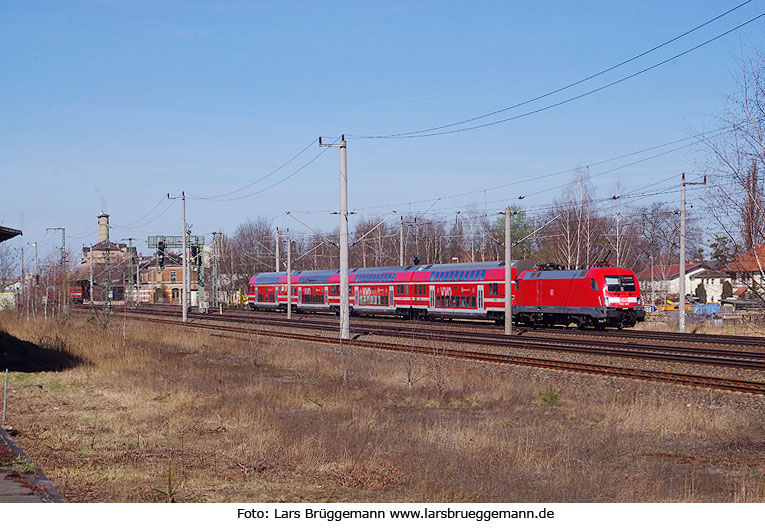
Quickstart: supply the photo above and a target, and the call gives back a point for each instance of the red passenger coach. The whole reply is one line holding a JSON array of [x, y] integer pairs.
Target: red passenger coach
[[462, 290]]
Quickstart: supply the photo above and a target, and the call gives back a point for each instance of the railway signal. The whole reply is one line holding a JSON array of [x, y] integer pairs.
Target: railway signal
[[161, 254], [163, 242]]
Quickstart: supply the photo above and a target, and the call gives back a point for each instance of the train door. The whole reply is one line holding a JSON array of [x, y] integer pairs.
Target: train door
[[356, 296], [432, 296], [480, 297], [390, 297], [326, 295]]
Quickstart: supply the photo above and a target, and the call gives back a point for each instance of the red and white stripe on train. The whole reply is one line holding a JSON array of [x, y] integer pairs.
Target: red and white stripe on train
[[596, 297]]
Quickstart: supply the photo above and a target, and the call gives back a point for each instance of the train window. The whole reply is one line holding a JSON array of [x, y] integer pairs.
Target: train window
[[628, 283], [620, 283], [593, 284]]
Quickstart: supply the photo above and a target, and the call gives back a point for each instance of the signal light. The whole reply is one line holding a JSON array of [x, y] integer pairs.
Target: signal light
[[161, 254], [196, 256]]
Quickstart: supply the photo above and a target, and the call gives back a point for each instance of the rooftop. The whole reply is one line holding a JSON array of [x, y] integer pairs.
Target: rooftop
[[8, 233]]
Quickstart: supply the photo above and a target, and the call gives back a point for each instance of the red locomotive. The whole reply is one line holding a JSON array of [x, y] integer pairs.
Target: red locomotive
[[600, 296]]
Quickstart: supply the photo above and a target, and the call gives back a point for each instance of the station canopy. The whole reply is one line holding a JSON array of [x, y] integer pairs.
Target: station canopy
[[8, 233]]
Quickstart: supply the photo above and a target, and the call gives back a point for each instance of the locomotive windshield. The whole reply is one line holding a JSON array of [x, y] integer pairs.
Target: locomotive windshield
[[620, 283]]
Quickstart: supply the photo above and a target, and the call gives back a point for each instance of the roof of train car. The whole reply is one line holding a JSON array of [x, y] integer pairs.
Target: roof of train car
[[480, 265], [310, 276], [571, 274]]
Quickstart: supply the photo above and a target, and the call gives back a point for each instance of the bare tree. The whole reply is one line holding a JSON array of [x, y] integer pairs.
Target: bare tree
[[736, 159]]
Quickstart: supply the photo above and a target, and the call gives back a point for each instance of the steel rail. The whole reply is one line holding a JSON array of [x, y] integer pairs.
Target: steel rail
[[571, 332], [651, 351], [738, 385]]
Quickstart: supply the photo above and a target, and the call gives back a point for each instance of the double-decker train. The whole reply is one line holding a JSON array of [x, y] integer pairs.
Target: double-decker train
[[600, 296]]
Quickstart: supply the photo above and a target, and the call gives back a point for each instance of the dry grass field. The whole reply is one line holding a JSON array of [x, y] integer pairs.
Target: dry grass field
[[140, 413]]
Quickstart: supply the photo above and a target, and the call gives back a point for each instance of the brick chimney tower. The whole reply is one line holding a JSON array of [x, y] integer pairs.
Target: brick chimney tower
[[103, 222]]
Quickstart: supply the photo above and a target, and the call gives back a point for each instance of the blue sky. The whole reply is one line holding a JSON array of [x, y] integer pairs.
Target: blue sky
[[113, 104]]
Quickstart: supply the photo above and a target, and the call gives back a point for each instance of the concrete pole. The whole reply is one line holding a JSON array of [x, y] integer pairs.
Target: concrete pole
[[215, 270], [289, 276], [108, 293], [681, 277], [401, 242], [618, 219], [653, 299], [138, 282], [34, 285], [345, 324], [130, 272], [278, 265], [472, 240], [185, 260], [508, 275], [22, 298], [91, 274]]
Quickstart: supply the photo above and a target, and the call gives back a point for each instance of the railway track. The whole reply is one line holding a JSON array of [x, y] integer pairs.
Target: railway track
[[491, 328], [362, 339], [646, 351]]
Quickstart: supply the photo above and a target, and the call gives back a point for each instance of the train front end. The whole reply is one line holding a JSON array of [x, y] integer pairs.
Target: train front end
[[620, 296]]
